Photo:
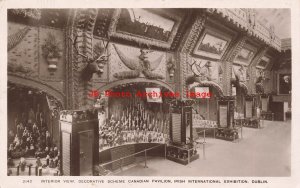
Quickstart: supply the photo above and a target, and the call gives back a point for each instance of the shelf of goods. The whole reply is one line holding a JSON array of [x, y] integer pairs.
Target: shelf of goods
[[200, 125], [199, 122]]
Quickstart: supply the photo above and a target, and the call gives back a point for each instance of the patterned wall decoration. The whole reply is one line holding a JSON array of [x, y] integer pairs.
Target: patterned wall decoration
[[253, 70], [171, 67], [15, 38], [118, 67], [240, 72], [103, 77], [184, 50], [187, 20], [45, 72], [267, 81], [23, 57], [102, 22], [81, 24], [205, 70], [227, 64]]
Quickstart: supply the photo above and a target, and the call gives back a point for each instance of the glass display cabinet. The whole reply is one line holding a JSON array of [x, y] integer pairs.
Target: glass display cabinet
[[252, 112], [226, 129]]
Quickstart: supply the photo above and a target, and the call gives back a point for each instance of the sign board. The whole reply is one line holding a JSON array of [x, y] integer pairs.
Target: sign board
[[202, 92], [154, 95], [176, 128], [264, 104], [249, 109], [223, 115], [233, 91]]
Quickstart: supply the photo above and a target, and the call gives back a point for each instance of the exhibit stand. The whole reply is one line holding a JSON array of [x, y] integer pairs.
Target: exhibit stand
[[181, 149], [226, 129], [266, 113], [79, 142], [252, 112]]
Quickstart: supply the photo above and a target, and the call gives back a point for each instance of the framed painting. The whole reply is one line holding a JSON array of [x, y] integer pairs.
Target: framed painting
[[246, 55], [284, 84], [263, 63], [212, 44], [145, 26]]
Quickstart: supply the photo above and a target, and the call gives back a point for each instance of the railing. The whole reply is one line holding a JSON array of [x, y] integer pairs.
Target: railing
[[107, 167], [204, 141]]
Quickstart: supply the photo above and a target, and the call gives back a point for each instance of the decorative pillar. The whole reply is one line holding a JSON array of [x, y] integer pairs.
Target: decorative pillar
[[80, 26], [79, 142], [227, 62], [183, 55], [252, 69]]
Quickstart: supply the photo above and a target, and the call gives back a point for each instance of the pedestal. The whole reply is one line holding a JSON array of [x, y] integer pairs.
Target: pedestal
[[79, 142]]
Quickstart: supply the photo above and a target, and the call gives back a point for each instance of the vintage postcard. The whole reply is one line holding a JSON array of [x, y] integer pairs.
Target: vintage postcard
[[149, 93]]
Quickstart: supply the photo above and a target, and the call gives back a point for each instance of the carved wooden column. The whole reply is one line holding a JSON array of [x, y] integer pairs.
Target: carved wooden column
[[81, 24], [79, 142], [183, 55], [252, 69], [227, 63], [70, 65]]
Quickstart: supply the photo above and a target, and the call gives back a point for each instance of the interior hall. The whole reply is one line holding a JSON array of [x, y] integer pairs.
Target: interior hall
[[144, 91]]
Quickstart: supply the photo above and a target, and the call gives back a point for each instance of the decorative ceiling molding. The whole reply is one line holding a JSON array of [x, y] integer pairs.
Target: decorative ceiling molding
[[190, 39], [235, 49], [245, 19]]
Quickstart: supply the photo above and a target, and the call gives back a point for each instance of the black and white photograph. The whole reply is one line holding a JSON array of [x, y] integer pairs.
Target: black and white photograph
[[204, 93]]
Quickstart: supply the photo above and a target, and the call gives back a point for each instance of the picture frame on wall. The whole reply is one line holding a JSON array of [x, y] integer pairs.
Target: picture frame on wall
[[152, 27], [212, 44], [263, 63], [245, 55], [284, 84]]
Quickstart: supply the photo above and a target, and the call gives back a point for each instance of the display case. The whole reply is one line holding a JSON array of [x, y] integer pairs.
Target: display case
[[181, 118], [79, 142], [266, 114], [252, 112], [182, 154], [226, 129]]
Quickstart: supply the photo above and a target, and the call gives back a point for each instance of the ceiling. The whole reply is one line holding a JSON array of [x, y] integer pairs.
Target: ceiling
[[280, 18]]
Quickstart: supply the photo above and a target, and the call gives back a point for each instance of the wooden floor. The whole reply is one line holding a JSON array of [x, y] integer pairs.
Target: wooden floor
[[262, 152]]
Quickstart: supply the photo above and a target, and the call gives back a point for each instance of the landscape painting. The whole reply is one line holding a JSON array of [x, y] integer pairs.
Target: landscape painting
[[211, 46], [145, 23], [263, 62], [245, 56]]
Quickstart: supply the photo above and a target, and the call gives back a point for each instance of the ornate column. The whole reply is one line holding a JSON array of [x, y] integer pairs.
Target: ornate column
[[81, 25], [252, 68], [79, 142], [183, 55], [227, 62]]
